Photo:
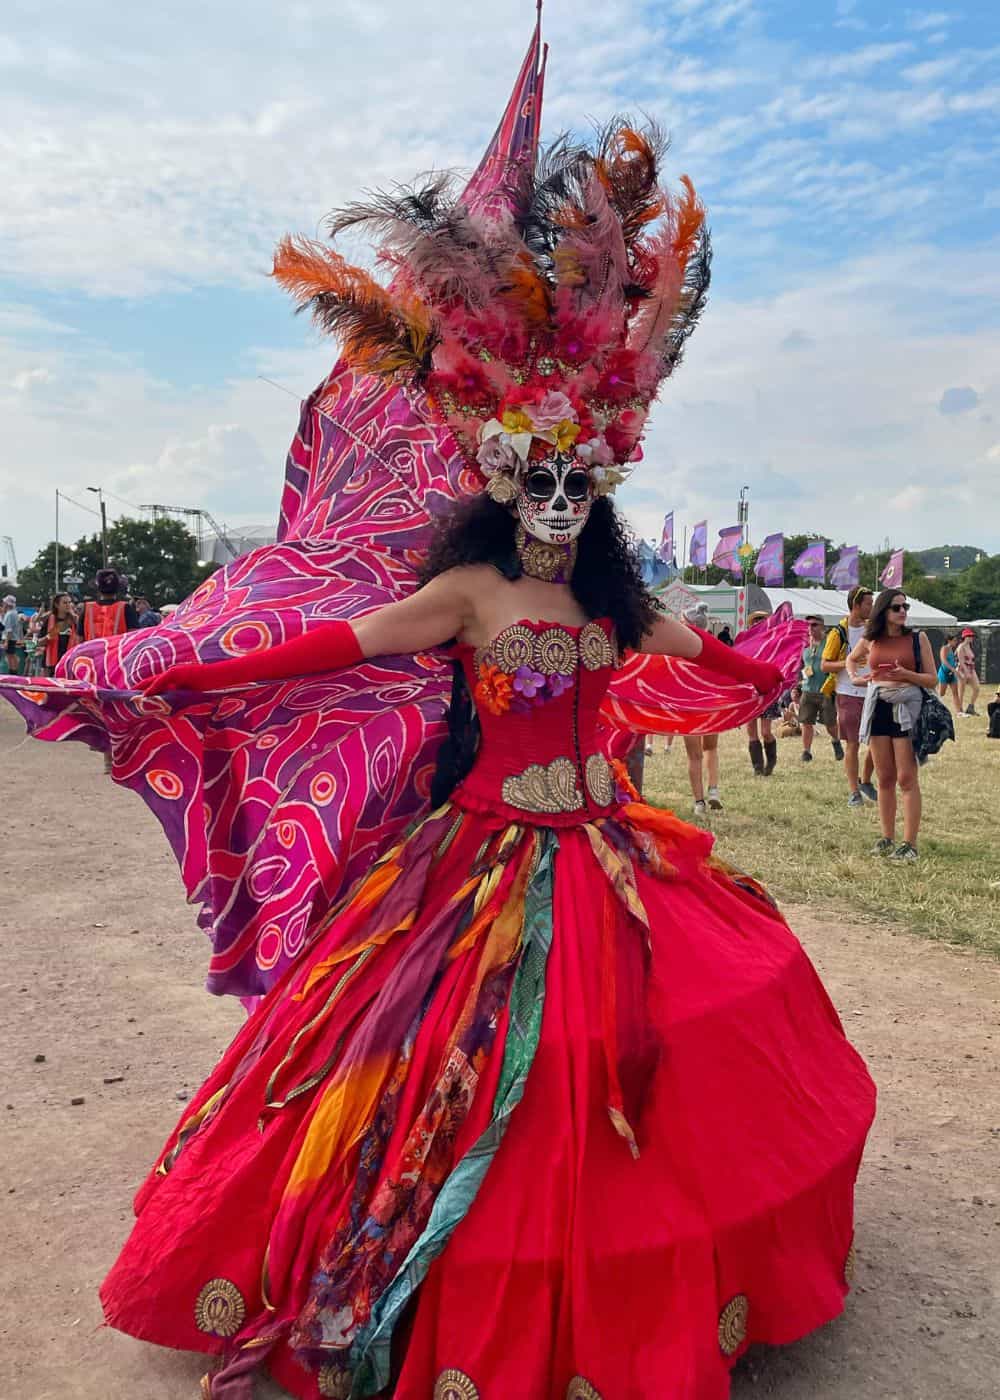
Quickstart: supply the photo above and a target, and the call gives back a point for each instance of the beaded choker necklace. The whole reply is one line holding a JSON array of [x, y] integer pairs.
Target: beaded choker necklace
[[552, 563]]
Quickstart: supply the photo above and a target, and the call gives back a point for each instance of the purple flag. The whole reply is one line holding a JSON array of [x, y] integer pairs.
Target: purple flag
[[770, 566], [699, 545], [811, 563], [725, 556], [892, 575], [845, 572], [665, 549]]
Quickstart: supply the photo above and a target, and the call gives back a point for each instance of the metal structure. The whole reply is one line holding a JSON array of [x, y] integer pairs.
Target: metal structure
[[160, 512], [10, 561]]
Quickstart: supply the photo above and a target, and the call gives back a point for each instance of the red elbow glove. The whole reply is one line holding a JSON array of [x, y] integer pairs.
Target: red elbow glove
[[325, 648], [715, 656]]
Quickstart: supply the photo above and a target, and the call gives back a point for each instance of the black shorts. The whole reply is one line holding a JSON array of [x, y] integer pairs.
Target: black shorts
[[883, 724], [10, 646]]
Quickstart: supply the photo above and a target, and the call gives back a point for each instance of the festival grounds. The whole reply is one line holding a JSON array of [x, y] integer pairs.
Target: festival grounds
[[102, 968]]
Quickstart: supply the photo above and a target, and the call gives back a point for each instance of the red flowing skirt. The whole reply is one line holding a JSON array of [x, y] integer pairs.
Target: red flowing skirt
[[576, 1104]]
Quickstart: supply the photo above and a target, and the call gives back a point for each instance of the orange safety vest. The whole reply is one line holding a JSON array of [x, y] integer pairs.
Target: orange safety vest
[[52, 642], [103, 620]]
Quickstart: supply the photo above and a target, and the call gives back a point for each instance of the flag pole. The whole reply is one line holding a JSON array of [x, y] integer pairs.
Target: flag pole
[[56, 588]]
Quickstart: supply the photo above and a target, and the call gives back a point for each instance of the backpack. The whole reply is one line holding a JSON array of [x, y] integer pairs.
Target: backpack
[[829, 686], [934, 724]]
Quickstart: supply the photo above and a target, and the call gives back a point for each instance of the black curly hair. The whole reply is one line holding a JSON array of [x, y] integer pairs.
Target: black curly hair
[[606, 582]]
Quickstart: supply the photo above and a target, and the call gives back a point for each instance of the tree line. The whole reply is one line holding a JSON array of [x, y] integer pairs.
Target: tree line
[[160, 558]]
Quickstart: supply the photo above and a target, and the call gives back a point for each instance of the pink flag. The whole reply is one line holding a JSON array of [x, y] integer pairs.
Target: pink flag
[[892, 575], [770, 566], [811, 563], [725, 556]]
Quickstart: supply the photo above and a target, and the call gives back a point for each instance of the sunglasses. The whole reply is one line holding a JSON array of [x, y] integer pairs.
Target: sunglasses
[[899, 607]]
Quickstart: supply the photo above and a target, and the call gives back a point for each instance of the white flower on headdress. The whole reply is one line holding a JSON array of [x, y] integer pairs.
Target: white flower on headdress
[[605, 479], [595, 452], [554, 408], [496, 455]]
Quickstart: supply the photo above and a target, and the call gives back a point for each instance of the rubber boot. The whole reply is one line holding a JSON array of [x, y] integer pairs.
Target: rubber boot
[[771, 752], [757, 756]]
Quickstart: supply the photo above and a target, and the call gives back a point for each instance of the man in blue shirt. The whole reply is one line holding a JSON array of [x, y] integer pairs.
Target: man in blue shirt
[[816, 704]]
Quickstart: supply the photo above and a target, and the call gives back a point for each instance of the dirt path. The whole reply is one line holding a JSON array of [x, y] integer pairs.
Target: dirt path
[[101, 975]]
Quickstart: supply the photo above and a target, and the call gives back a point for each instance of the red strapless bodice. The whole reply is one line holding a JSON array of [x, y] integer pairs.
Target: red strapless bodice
[[537, 688]]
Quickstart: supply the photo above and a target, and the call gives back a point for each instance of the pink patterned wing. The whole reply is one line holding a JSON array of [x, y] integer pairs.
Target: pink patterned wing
[[665, 695], [275, 798]]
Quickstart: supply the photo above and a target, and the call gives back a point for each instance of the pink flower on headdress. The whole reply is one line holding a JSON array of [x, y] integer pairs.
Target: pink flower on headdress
[[495, 455], [554, 408]]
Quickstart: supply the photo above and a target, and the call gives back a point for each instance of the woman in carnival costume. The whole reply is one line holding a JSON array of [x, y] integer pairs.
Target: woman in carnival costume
[[541, 1098]]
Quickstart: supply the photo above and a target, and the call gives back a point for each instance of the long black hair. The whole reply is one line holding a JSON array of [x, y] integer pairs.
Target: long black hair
[[606, 582], [878, 623]]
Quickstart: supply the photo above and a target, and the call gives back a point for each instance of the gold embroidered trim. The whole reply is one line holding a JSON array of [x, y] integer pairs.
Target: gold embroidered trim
[[596, 650], [514, 648], [733, 1324], [334, 1382], [600, 780], [850, 1265], [553, 652], [455, 1385], [550, 788], [219, 1310], [581, 1389]]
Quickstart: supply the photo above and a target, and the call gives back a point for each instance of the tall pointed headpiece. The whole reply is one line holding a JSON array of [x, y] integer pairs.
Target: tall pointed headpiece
[[540, 306]]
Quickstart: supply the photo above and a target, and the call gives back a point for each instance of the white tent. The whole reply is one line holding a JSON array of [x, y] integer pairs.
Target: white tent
[[831, 605]]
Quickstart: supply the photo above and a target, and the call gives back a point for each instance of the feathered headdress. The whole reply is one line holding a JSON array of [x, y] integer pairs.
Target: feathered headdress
[[544, 321]]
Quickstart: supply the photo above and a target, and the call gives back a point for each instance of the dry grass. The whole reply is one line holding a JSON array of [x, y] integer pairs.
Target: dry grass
[[795, 832]]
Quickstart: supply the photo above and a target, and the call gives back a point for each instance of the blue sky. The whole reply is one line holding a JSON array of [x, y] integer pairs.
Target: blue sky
[[848, 369]]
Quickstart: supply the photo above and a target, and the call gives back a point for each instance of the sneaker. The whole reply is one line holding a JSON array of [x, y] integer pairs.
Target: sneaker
[[904, 851], [699, 807], [869, 791], [884, 846], [838, 749], [714, 800], [971, 710], [855, 800], [648, 751], [806, 756]]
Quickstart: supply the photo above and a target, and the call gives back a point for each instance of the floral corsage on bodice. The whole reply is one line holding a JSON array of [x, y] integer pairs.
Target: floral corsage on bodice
[[522, 669]]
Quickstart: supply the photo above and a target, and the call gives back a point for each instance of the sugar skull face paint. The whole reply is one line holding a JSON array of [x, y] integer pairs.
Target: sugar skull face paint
[[554, 497]]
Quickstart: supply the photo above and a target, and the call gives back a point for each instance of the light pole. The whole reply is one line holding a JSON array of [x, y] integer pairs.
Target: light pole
[[98, 492]]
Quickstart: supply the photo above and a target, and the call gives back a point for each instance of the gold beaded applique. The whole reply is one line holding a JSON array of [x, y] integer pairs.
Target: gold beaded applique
[[219, 1309], [553, 652], [581, 1389], [514, 647], [549, 788], [455, 1385], [334, 1382], [596, 650], [733, 1324], [600, 780]]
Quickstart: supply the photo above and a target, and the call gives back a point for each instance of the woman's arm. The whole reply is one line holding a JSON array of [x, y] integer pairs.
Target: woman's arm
[[858, 657], [671, 638], [432, 615]]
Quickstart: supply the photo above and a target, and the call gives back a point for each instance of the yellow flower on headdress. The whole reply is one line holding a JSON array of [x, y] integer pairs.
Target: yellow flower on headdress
[[515, 420], [566, 434]]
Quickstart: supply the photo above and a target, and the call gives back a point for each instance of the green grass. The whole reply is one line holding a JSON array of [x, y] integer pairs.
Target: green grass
[[795, 832]]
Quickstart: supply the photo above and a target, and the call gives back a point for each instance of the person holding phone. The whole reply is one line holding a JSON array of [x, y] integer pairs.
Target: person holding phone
[[900, 666]]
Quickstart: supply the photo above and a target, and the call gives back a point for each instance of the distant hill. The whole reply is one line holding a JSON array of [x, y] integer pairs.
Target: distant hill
[[959, 557]]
